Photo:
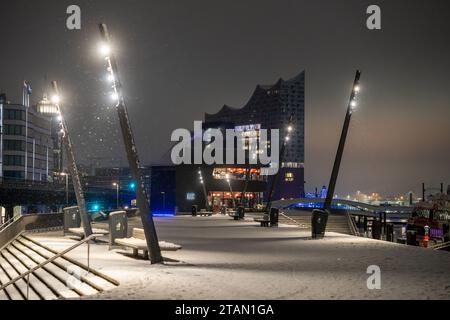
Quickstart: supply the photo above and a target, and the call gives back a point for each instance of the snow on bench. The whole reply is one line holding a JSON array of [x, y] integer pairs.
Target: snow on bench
[[80, 231], [137, 242]]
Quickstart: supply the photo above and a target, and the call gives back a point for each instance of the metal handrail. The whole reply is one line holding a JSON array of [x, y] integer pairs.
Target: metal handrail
[[8, 222], [49, 260], [352, 225]]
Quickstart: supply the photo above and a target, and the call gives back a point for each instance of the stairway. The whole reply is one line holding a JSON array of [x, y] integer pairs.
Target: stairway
[[336, 223], [63, 278]]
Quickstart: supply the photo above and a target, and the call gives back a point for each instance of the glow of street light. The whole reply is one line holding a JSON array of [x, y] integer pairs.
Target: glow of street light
[[105, 49], [59, 118], [357, 88], [353, 104], [110, 78], [56, 99], [115, 184], [114, 96], [287, 138], [290, 128]]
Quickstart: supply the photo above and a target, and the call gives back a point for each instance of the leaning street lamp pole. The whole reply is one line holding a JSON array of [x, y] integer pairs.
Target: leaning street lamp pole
[[231, 189], [143, 202], [117, 186], [72, 165], [205, 193], [320, 217]]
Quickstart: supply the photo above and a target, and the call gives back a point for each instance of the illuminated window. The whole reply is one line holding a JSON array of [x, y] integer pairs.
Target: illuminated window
[[289, 177], [190, 196]]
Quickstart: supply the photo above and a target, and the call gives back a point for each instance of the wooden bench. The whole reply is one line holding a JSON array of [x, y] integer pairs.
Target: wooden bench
[[137, 242]]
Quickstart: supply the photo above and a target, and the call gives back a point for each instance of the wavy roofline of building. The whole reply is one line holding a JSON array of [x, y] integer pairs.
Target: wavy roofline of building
[[258, 87]]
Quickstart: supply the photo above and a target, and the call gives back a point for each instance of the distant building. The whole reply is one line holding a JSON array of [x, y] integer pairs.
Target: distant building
[[46, 108], [26, 142], [272, 107]]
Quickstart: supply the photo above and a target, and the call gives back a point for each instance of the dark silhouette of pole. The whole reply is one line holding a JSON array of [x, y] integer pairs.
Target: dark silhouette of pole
[[72, 166], [231, 191], [340, 151], [244, 190], [320, 216], [205, 193], [143, 202]]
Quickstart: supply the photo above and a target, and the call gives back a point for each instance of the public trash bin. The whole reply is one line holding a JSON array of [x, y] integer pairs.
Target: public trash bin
[[194, 210], [241, 212], [274, 216], [411, 238], [319, 223], [376, 229]]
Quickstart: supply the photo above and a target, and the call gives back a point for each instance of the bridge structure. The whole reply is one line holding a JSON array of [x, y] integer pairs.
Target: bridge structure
[[353, 207], [50, 196]]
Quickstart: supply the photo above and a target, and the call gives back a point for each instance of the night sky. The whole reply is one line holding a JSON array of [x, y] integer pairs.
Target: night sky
[[179, 59]]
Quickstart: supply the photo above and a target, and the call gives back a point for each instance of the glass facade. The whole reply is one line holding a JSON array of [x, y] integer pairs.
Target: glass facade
[[26, 143]]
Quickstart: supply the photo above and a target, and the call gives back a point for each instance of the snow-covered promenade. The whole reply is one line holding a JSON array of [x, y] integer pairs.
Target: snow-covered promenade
[[226, 259]]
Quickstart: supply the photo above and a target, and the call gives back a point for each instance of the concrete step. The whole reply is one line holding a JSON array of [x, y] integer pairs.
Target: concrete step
[[80, 287], [338, 224], [62, 278], [11, 292], [3, 295], [22, 265], [94, 279], [55, 287], [21, 285], [55, 280]]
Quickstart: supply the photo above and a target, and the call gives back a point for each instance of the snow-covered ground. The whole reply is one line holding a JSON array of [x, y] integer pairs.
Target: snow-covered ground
[[226, 259]]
